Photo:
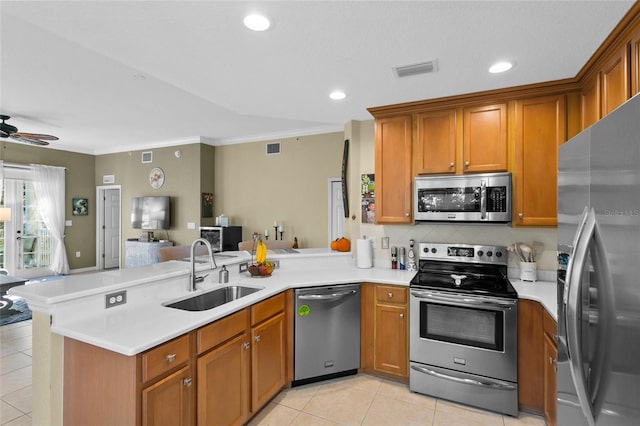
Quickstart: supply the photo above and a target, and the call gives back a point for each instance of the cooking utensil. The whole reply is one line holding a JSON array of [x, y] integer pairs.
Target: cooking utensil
[[527, 253]]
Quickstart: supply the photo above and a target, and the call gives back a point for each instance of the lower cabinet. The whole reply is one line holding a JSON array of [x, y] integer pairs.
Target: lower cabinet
[[537, 357], [385, 326], [220, 374]]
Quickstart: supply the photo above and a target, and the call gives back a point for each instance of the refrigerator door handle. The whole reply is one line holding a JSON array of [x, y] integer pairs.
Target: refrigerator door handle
[[570, 265], [590, 404]]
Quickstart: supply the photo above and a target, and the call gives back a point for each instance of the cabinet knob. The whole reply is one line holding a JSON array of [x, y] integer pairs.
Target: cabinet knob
[[520, 215], [390, 295], [257, 338], [407, 214], [171, 358], [187, 382], [451, 164], [246, 345], [466, 164], [401, 315]]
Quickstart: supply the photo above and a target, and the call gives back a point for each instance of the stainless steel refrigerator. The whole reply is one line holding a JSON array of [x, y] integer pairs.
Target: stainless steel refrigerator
[[599, 272]]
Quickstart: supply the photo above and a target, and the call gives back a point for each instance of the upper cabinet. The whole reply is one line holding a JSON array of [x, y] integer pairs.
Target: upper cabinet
[[540, 128], [435, 142], [635, 62], [485, 139], [393, 169], [615, 80]]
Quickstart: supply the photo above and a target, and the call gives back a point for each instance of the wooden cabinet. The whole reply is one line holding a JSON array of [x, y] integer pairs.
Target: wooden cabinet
[[550, 357], [435, 142], [485, 139], [635, 62], [170, 400], [267, 360], [540, 128], [615, 81], [537, 357], [385, 330], [393, 169]]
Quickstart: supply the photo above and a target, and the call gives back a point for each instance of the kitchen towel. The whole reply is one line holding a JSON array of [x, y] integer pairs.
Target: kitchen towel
[[364, 257]]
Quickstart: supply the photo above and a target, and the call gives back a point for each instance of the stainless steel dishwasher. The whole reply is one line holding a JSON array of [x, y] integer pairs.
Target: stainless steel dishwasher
[[327, 332]]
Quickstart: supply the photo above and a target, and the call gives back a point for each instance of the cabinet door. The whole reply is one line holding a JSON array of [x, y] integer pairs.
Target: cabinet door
[[485, 139], [223, 383], [169, 401], [540, 128], [393, 169], [635, 63], [615, 81], [590, 100], [530, 363], [390, 353], [550, 379], [267, 360], [435, 142]]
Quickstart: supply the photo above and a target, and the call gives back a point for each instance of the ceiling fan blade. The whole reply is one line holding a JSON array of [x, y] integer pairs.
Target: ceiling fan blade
[[35, 136], [29, 140]]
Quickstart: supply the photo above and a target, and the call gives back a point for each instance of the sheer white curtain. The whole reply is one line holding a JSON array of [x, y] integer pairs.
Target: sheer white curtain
[[49, 183]]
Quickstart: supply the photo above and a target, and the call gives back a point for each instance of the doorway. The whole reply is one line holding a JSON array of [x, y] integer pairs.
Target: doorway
[[108, 226], [336, 210]]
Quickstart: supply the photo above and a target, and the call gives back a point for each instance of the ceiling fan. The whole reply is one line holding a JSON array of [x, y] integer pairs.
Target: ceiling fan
[[11, 132]]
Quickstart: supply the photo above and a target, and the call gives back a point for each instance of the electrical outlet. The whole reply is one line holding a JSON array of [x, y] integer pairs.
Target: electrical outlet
[[191, 225], [77, 254], [385, 242], [115, 299]]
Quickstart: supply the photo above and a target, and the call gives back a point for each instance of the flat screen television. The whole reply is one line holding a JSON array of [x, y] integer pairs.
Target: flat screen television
[[151, 213]]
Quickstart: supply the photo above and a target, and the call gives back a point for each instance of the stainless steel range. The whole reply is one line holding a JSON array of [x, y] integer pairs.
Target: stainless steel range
[[463, 327]]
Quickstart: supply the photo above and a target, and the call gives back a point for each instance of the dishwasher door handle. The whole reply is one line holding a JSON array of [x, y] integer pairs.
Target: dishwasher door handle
[[327, 297]]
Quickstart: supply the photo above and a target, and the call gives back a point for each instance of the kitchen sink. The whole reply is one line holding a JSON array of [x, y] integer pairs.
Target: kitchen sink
[[212, 299]]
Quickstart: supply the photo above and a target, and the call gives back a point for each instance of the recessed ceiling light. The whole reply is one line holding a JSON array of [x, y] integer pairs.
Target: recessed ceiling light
[[500, 67], [337, 95], [257, 22]]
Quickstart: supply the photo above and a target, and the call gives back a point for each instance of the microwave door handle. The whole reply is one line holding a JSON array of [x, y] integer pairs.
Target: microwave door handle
[[483, 199], [572, 320]]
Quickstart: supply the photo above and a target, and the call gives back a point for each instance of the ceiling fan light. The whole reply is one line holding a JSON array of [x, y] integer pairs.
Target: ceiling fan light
[[257, 22], [499, 67]]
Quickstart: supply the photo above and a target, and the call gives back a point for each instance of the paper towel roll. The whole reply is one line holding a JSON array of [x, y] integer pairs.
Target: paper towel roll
[[364, 257]]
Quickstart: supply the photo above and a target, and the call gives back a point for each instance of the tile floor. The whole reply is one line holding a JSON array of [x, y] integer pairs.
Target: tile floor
[[354, 400]]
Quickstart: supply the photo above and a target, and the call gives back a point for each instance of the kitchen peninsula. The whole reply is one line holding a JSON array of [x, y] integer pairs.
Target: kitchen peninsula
[[74, 308]]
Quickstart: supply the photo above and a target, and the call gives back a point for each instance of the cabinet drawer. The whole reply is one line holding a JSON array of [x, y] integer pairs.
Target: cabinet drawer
[[266, 309], [165, 357], [549, 325], [224, 329], [391, 294]]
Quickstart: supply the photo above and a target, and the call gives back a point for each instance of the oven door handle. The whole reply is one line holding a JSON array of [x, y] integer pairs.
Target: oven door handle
[[460, 299], [486, 383]]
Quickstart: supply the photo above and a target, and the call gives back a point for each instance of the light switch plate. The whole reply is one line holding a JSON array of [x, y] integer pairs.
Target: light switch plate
[[385, 242]]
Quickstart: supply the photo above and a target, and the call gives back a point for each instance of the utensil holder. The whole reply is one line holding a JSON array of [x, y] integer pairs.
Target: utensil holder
[[528, 271]]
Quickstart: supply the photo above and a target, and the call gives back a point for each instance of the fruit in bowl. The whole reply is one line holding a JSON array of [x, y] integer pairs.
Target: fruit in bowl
[[261, 269]]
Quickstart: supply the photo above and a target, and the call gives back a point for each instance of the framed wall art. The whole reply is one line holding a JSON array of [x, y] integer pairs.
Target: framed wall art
[[80, 206]]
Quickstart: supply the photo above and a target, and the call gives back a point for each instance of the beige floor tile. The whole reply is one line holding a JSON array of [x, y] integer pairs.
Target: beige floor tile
[[392, 412], [274, 415], [401, 392], [20, 421], [450, 414], [8, 333], [341, 404], [524, 419], [20, 399], [15, 345], [304, 419], [296, 398], [15, 380], [14, 361], [8, 413]]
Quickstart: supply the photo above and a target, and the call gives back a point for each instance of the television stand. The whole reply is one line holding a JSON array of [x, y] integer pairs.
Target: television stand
[[140, 253]]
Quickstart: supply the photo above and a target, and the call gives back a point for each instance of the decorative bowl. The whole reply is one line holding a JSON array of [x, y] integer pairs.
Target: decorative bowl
[[261, 269]]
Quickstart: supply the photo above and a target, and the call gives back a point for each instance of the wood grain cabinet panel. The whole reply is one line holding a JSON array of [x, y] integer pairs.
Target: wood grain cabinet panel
[[635, 63], [530, 363], [590, 100], [615, 81], [435, 142], [540, 129], [169, 401], [267, 360], [393, 140], [485, 139], [550, 358]]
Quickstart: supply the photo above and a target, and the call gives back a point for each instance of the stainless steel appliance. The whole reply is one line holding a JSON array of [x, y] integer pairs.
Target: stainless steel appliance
[[599, 293], [327, 332], [482, 197], [464, 327], [222, 238]]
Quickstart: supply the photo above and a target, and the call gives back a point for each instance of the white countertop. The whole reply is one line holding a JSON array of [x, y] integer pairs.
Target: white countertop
[[77, 302]]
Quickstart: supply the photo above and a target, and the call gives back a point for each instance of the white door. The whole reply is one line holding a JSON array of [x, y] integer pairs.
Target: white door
[[336, 210], [108, 229], [111, 228]]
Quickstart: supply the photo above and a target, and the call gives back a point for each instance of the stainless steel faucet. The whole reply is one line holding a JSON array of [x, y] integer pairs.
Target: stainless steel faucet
[[193, 279]]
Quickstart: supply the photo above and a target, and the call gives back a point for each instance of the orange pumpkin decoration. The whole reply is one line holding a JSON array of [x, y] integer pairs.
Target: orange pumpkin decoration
[[341, 244]]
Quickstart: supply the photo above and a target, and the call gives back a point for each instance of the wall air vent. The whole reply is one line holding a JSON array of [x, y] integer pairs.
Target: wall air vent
[[415, 69], [273, 148]]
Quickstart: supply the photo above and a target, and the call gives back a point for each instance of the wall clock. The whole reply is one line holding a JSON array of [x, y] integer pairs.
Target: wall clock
[[156, 178]]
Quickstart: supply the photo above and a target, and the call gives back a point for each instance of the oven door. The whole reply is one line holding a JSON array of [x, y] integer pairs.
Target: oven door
[[468, 333]]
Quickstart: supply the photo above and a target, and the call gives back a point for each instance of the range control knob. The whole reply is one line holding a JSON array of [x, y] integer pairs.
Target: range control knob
[[489, 253], [480, 253], [426, 249], [499, 253], [433, 250]]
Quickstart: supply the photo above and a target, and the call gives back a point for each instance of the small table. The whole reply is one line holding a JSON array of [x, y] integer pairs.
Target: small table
[[7, 282]]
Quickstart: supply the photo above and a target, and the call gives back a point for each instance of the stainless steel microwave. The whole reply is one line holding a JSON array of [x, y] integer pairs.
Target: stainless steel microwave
[[482, 197]]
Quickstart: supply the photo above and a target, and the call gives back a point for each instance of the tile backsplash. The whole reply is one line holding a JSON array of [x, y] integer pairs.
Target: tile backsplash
[[399, 235]]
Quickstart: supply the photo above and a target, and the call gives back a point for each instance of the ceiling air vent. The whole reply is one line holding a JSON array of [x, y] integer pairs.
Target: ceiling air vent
[[273, 148], [415, 69]]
